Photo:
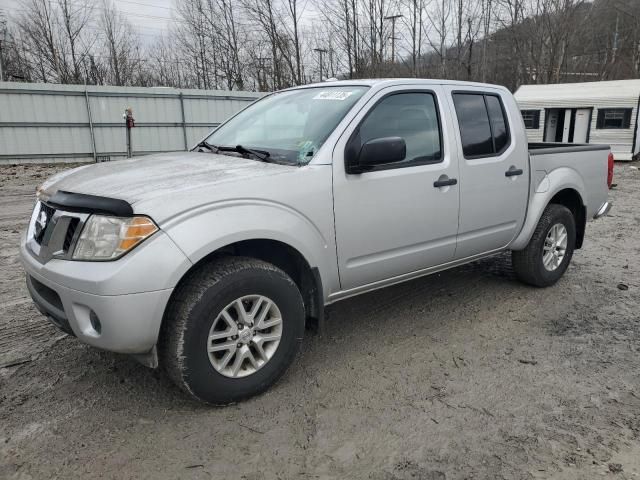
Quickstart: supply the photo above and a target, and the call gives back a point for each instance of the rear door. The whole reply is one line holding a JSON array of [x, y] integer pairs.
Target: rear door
[[393, 220], [493, 161]]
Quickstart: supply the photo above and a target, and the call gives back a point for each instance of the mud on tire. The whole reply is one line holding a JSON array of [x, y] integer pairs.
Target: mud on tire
[[528, 263], [197, 303]]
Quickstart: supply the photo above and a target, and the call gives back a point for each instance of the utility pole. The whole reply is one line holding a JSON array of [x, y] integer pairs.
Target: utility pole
[[3, 34], [615, 41], [320, 52], [393, 19], [263, 85]]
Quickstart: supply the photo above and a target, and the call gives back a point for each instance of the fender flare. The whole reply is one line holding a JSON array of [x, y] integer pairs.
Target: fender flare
[[209, 228], [563, 178]]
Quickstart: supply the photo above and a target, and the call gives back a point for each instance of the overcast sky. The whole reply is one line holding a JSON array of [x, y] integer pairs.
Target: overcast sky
[[151, 17]]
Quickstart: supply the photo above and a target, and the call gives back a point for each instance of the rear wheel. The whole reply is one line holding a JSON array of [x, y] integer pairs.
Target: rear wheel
[[547, 256], [232, 329]]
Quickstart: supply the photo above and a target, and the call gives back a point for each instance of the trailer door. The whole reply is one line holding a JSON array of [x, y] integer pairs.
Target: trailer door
[[581, 125]]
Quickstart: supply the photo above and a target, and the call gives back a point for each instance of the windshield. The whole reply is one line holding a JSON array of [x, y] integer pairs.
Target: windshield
[[292, 125]]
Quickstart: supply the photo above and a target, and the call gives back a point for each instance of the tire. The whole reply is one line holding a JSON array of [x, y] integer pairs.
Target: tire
[[529, 264], [199, 302]]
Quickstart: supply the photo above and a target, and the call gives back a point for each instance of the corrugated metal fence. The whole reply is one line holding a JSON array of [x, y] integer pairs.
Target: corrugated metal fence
[[56, 123]]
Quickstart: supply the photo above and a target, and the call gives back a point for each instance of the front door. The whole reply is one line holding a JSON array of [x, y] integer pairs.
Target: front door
[[393, 220], [493, 171]]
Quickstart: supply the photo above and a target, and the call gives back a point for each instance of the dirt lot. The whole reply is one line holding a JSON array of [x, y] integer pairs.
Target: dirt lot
[[466, 374]]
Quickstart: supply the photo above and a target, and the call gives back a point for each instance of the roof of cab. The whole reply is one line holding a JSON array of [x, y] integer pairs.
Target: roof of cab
[[390, 82]]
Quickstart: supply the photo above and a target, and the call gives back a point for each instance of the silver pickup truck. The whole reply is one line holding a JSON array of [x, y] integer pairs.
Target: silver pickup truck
[[210, 262]]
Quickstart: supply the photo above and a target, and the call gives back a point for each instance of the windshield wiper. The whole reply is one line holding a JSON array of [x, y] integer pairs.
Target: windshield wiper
[[209, 146], [260, 154]]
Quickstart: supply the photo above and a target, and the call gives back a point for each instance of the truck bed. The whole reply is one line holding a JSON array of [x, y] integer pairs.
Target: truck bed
[[588, 160], [539, 148]]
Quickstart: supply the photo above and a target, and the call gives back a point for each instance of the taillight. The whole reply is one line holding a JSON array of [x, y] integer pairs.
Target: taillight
[[610, 170]]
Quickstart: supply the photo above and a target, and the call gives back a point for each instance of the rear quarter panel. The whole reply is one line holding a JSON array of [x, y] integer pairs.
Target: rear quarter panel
[[580, 169]]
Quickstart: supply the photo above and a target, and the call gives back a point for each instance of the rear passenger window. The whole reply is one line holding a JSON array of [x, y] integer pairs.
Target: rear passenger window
[[474, 125], [483, 126], [498, 123]]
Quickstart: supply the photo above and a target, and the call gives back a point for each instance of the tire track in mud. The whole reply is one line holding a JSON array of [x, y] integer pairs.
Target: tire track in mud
[[24, 332], [29, 334]]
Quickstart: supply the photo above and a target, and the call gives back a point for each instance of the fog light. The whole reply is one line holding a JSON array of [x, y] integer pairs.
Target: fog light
[[95, 322]]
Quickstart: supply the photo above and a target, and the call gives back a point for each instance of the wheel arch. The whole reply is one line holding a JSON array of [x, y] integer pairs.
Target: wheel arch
[[282, 255], [570, 198], [564, 187], [567, 196]]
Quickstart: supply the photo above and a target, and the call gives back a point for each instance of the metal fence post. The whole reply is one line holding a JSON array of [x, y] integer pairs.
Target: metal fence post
[[93, 135], [129, 123], [184, 122]]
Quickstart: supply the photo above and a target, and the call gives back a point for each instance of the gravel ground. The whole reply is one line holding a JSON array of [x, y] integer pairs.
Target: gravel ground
[[464, 374]]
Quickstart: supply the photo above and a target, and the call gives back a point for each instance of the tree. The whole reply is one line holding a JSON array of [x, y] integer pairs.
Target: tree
[[269, 44], [439, 21], [121, 44]]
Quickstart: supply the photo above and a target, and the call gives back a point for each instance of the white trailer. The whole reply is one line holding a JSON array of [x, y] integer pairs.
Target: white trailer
[[590, 112]]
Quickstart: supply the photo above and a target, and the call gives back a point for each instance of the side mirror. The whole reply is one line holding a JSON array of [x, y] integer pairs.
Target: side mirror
[[379, 151]]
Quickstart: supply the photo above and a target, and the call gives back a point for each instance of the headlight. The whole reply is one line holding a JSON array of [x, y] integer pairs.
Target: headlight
[[107, 238]]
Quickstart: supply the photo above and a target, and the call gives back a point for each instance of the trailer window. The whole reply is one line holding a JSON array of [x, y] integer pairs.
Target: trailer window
[[614, 118], [531, 119]]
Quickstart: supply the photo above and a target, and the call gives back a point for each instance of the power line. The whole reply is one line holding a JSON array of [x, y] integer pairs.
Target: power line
[[145, 5]]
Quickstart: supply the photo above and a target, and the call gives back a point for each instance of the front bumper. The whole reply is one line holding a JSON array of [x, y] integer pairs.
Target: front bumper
[[90, 303]]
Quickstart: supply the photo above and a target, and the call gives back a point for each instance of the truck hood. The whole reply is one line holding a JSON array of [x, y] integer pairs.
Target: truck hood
[[143, 178]]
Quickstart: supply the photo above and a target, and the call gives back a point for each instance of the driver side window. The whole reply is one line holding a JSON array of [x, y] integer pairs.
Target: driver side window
[[412, 116]]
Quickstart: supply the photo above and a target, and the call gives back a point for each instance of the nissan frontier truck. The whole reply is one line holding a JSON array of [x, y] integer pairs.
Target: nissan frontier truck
[[209, 262]]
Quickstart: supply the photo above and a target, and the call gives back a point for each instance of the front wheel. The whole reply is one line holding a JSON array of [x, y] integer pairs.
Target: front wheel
[[547, 256], [232, 330]]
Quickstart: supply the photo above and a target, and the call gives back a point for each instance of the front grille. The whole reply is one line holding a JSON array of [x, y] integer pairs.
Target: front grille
[[43, 222], [71, 231], [53, 232], [49, 210]]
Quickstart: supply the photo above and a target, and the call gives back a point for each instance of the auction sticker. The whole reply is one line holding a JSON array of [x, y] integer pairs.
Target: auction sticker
[[332, 95]]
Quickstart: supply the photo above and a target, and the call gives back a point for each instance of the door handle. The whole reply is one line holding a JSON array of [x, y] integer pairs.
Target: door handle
[[445, 182], [513, 171]]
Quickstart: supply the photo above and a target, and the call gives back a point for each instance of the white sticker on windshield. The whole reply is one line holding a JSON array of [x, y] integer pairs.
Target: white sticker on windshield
[[332, 95]]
